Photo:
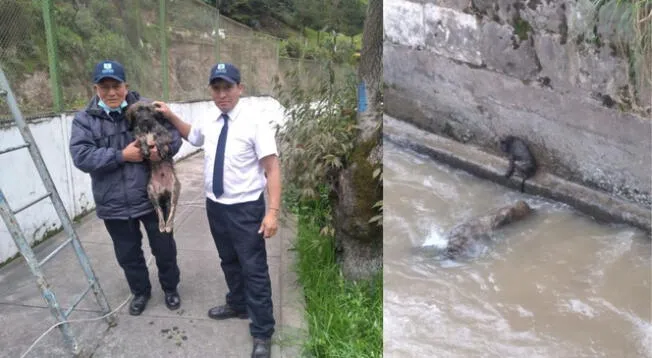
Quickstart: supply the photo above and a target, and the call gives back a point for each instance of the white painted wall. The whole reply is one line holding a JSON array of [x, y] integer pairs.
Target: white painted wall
[[21, 183]]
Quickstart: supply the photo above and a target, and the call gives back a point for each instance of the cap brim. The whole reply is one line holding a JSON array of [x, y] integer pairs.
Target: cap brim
[[222, 77], [97, 80]]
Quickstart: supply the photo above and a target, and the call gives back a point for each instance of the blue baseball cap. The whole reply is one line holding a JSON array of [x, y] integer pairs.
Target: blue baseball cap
[[109, 69], [225, 71]]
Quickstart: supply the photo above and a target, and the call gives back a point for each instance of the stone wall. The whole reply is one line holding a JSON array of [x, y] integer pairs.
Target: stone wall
[[549, 71]]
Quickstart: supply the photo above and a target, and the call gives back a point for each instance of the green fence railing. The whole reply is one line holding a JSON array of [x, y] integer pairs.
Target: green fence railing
[[48, 49]]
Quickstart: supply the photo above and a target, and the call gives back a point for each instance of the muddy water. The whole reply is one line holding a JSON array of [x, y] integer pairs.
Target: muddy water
[[556, 285]]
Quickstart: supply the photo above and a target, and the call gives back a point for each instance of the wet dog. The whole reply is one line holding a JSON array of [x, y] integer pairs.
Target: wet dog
[[521, 160], [478, 229], [163, 188]]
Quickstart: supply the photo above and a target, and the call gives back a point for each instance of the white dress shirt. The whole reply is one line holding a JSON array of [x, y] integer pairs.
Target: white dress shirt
[[250, 138]]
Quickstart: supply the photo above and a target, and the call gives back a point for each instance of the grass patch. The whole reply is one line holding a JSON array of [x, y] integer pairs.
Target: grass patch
[[345, 318], [632, 24], [522, 28]]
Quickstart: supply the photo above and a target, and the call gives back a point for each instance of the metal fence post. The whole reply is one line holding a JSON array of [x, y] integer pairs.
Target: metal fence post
[[278, 58], [51, 38], [217, 35], [139, 19], [164, 49]]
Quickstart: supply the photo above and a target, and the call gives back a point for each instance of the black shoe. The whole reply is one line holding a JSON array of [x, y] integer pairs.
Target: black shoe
[[138, 304], [262, 348], [226, 311], [172, 300]]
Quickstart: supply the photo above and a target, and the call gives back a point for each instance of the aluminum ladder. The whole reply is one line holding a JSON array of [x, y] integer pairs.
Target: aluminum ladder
[[9, 217]]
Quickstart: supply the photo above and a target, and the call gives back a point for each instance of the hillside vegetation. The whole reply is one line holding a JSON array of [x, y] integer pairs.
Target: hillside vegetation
[[129, 31], [310, 28]]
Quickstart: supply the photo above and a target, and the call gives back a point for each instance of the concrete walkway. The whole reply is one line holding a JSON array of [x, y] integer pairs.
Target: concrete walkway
[[158, 332]]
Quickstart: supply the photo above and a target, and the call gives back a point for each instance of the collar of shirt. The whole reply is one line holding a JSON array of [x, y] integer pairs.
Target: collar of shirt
[[233, 113], [108, 109]]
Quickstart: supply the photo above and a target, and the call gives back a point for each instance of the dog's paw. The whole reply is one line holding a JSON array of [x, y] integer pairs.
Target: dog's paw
[[168, 228], [161, 228]]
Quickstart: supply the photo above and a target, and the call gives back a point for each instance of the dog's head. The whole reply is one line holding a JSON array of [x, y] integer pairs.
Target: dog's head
[[144, 116], [513, 213]]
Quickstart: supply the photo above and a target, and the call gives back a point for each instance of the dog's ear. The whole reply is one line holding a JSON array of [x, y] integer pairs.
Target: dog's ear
[[130, 116]]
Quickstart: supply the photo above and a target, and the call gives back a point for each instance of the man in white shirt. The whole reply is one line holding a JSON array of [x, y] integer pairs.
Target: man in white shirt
[[241, 159]]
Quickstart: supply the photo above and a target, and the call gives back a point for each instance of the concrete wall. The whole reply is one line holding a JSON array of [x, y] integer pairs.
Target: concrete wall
[[21, 183], [542, 70]]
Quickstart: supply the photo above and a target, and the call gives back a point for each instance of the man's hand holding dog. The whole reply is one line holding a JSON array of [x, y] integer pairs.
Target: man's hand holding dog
[[163, 109], [154, 154], [166, 112], [132, 153]]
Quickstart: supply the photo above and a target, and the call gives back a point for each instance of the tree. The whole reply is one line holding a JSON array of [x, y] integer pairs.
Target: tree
[[308, 13], [350, 16], [332, 153], [358, 227]]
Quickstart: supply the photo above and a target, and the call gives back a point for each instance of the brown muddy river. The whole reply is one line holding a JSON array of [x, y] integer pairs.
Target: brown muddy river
[[555, 285]]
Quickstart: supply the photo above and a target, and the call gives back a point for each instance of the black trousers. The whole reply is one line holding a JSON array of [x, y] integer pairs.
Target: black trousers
[[127, 243], [244, 261]]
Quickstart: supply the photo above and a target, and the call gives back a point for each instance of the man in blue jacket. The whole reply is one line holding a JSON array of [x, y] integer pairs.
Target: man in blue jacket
[[102, 145]]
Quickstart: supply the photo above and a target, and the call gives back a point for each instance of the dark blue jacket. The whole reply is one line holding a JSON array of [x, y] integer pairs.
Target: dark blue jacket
[[96, 144]]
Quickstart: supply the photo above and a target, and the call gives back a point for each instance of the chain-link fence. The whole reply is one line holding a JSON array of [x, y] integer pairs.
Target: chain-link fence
[[48, 49]]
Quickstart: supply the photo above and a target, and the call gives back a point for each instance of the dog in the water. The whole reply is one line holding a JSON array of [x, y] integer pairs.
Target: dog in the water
[[163, 188], [477, 229]]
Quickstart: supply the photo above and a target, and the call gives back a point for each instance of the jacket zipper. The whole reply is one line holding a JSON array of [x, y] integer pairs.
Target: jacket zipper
[[124, 181]]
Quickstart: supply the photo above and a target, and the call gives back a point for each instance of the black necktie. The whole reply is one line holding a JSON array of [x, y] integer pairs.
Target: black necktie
[[218, 169]]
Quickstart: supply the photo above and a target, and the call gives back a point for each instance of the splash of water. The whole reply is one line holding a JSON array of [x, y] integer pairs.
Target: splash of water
[[436, 239]]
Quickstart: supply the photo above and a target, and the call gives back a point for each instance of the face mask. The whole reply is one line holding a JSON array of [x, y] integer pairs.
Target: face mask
[[108, 109]]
